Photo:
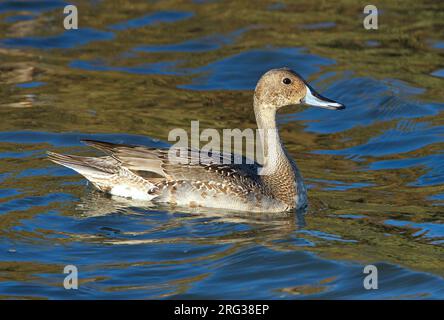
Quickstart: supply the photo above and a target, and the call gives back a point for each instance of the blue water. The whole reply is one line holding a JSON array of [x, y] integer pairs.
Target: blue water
[[374, 171], [157, 17]]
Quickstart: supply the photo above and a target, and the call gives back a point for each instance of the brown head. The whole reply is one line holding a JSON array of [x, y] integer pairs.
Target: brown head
[[282, 87]]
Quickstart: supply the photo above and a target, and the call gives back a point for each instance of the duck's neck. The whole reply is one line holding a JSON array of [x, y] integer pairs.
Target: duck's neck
[[279, 172], [274, 155]]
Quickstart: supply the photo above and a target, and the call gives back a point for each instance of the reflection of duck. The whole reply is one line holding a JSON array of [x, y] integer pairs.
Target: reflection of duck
[[151, 174], [95, 204], [262, 227]]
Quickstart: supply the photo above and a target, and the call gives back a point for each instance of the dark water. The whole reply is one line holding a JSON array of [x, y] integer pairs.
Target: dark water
[[135, 70]]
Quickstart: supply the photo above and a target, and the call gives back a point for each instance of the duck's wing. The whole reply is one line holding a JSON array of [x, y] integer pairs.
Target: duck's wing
[[180, 164]]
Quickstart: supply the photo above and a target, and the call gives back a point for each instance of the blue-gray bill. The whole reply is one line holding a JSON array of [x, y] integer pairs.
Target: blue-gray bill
[[312, 98]]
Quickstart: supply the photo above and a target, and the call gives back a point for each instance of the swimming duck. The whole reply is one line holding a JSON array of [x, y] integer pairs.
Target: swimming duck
[[145, 173]]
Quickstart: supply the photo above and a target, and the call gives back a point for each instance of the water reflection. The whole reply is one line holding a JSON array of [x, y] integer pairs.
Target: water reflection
[[154, 18], [207, 43], [375, 172], [96, 204], [65, 40]]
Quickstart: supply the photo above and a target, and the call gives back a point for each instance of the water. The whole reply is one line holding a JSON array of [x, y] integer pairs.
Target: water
[[131, 73]]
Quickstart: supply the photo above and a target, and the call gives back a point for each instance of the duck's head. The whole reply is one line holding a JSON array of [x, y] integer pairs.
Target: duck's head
[[282, 87]]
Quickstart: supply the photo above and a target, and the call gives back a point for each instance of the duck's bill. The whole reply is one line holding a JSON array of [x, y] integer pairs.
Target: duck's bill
[[312, 98]]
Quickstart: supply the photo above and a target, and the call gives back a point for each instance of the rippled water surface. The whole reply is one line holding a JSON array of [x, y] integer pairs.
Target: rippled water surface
[[135, 70]]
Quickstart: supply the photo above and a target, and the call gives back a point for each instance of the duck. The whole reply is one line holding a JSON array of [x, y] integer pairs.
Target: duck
[[151, 174]]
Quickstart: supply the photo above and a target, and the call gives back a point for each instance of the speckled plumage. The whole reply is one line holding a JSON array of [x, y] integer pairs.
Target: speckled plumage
[[148, 174]]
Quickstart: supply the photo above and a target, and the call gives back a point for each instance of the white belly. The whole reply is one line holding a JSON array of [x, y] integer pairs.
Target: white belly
[[128, 191]]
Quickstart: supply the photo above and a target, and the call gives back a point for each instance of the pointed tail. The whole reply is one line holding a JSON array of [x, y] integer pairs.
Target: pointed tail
[[90, 167]]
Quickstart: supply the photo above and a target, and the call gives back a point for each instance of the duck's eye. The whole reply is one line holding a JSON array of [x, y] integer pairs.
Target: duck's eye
[[286, 81]]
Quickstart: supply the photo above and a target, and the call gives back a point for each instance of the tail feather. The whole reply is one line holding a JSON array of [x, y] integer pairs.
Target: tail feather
[[89, 167], [103, 172]]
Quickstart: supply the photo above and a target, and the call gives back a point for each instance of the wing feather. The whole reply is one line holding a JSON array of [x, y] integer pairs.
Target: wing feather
[[212, 167]]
